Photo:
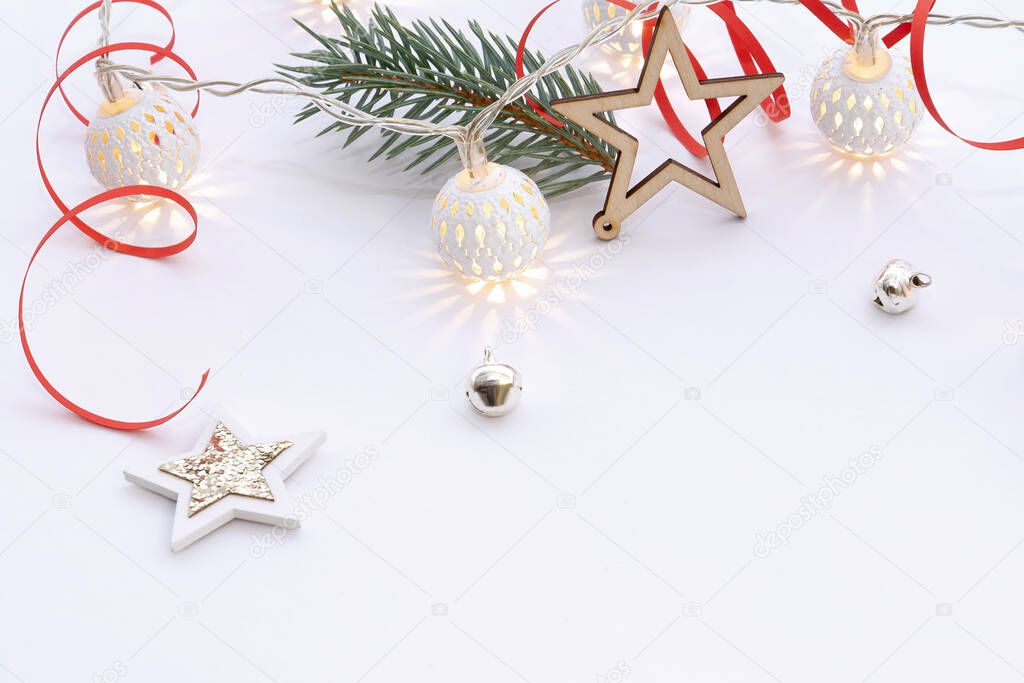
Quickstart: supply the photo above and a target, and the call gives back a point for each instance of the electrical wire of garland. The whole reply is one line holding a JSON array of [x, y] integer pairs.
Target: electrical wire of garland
[[843, 19], [972, 20], [469, 138], [339, 110]]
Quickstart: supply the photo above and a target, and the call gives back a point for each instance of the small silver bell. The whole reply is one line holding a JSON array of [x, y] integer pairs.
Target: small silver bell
[[494, 389], [895, 287]]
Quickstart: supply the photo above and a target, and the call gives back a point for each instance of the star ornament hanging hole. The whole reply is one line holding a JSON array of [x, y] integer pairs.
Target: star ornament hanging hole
[[622, 200]]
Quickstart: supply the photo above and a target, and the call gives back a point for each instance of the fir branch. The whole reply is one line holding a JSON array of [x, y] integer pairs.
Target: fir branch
[[433, 71]]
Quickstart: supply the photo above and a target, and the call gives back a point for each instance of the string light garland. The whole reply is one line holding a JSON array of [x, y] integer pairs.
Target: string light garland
[[868, 75], [469, 139], [158, 170], [864, 100]]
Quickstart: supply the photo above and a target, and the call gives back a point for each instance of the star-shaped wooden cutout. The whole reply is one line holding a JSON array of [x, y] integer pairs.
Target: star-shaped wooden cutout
[[622, 200]]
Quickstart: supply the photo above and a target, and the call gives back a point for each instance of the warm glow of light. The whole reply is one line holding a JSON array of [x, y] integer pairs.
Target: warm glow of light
[[474, 287], [429, 290], [497, 294], [900, 165], [523, 290], [319, 14], [625, 49], [150, 214], [434, 281], [816, 159], [441, 305], [867, 69]]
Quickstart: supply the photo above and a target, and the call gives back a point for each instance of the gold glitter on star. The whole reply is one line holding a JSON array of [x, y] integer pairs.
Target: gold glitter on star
[[226, 467]]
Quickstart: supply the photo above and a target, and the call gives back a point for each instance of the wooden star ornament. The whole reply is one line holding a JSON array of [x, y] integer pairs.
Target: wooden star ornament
[[622, 200]]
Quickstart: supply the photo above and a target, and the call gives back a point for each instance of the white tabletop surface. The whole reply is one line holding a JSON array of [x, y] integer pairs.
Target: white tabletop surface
[[681, 399]]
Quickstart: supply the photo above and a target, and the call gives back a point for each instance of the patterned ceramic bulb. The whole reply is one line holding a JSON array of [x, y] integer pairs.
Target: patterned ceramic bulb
[[490, 227], [142, 138], [864, 100]]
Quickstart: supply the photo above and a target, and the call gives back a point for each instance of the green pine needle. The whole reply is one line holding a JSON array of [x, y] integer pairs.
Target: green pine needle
[[432, 71]]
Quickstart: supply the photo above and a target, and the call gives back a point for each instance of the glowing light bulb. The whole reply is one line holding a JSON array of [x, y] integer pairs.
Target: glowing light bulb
[[865, 102], [629, 42], [490, 227], [142, 138]]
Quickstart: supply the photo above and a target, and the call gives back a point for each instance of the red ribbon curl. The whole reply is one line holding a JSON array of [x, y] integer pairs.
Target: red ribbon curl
[[153, 253], [915, 28], [72, 215], [830, 19]]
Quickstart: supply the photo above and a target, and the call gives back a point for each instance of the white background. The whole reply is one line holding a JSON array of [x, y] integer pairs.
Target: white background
[[680, 401]]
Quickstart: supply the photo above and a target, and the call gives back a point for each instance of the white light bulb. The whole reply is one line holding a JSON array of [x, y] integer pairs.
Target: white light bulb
[[629, 41], [143, 138], [490, 228], [866, 106]]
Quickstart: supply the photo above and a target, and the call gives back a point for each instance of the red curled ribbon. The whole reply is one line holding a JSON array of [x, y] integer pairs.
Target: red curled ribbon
[[753, 58], [154, 253], [897, 34], [72, 215], [751, 54], [829, 18], [845, 31], [915, 28], [87, 11], [521, 53], [918, 26], [668, 112]]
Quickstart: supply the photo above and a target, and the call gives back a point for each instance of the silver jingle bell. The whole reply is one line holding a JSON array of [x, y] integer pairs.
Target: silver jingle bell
[[895, 287], [494, 389]]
